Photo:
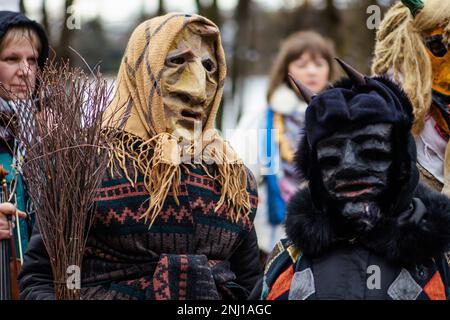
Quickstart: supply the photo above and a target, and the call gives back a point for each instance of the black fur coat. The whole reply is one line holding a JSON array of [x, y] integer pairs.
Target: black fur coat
[[403, 257], [421, 232]]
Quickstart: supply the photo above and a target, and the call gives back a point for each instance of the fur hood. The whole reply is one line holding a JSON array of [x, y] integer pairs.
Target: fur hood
[[421, 232]]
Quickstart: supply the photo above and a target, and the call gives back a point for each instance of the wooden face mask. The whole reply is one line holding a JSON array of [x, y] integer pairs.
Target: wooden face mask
[[440, 60], [189, 80], [355, 167]]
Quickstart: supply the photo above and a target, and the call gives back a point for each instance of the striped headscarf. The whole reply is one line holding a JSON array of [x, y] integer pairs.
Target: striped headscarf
[[136, 120]]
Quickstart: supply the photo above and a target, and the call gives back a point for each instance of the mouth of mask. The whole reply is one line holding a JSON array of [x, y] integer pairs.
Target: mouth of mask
[[356, 188], [192, 115]]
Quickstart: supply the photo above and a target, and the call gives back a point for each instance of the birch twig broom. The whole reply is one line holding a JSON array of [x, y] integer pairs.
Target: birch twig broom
[[65, 158]]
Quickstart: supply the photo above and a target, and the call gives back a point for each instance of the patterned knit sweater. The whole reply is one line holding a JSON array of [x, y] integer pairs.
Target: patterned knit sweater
[[190, 252]]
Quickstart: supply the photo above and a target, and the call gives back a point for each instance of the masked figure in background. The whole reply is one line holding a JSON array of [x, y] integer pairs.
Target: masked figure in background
[[193, 238], [363, 228], [412, 47]]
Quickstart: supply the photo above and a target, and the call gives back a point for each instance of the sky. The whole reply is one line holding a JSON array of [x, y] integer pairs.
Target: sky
[[112, 11]]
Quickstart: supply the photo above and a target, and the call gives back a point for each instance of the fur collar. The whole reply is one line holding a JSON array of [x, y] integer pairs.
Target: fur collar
[[285, 101], [314, 232]]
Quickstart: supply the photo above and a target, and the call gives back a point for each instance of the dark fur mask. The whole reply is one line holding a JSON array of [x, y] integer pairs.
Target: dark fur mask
[[309, 223], [346, 105]]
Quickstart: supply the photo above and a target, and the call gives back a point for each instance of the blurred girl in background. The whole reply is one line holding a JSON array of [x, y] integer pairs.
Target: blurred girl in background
[[309, 58]]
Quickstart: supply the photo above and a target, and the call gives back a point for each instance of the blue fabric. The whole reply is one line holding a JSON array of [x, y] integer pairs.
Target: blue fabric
[[275, 203], [20, 201]]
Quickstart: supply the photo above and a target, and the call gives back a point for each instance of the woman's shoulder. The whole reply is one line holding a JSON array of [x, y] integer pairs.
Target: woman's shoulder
[[285, 101]]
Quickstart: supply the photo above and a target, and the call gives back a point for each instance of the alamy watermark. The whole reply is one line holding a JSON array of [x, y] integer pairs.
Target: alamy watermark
[[73, 281], [374, 19], [73, 21], [257, 148], [374, 278]]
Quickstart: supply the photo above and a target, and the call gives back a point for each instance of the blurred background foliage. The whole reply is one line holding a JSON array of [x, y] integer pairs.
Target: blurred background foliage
[[252, 31]]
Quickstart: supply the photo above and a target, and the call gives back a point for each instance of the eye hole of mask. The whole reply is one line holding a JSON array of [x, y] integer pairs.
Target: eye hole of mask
[[177, 60], [209, 65], [328, 162], [436, 46], [375, 155]]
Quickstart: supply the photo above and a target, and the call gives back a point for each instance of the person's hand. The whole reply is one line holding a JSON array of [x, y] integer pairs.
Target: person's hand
[[8, 209]]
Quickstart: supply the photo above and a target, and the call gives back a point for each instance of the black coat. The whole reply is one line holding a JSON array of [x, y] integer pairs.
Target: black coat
[[410, 252]]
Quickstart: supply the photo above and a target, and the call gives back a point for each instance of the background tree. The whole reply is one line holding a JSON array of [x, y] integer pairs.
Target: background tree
[[161, 8], [251, 33], [22, 6], [44, 13], [240, 50], [66, 35], [209, 10]]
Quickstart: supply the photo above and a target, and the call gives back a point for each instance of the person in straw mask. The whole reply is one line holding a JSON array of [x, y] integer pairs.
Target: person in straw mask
[[174, 214], [412, 47]]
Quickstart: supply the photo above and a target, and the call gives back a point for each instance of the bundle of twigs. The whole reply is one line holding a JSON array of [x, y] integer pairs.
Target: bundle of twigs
[[65, 157]]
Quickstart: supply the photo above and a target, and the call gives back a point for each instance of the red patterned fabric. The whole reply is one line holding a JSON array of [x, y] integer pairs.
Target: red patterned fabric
[[184, 255], [435, 288], [282, 284]]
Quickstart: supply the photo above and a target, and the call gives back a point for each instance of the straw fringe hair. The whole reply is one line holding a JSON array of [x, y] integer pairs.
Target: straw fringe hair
[[400, 50], [158, 159]]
